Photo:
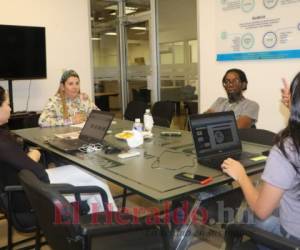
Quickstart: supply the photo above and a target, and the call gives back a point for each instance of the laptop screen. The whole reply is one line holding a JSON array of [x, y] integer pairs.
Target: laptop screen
[[215, 133], [96, 126]]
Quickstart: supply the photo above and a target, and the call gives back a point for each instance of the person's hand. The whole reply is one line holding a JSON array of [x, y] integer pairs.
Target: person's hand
[[79, 117], [285, 93], [84, 96], [234, 169], [34, 154]]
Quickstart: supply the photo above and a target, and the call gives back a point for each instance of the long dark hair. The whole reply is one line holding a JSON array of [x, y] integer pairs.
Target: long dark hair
[[2, 95], [292, 130]]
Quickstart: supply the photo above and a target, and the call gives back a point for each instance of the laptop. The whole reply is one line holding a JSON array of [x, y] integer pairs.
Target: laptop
[[93, 131], [216, 138]]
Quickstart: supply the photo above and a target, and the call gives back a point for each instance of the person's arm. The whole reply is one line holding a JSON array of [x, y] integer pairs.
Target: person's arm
[[285, 93], [209, 111], [248, 114], [34, 155], [89, 105], [262, 202], [12, 156], [244, 122], [217, 105], [50, 116]]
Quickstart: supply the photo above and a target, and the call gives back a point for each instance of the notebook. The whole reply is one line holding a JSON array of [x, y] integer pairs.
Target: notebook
[[216, 138], [93, 131]]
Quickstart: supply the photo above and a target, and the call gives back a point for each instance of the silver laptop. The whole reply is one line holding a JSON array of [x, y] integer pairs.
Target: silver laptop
[[93, 131], [216, 138]]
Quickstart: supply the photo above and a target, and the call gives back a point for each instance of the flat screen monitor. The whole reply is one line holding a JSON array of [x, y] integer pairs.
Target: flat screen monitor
[[23, 52]]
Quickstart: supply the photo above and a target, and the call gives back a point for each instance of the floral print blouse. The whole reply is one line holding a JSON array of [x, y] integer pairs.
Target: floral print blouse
[[52, 114]]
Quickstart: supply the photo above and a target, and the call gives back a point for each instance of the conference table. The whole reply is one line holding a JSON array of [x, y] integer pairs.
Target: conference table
[[151, 174]]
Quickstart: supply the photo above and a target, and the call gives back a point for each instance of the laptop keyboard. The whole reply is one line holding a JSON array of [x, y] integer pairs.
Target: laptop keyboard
[[216, 162], [76, 143]]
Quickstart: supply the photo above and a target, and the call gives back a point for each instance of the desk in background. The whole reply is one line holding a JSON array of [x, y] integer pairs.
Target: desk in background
[[102, 100]]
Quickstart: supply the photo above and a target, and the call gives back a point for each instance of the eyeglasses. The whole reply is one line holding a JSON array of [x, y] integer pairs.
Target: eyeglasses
[[234, 81]]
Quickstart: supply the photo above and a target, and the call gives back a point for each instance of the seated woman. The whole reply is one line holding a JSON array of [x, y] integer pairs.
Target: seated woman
[[12, 156], [281, 177], [67, 106], [245, 110]]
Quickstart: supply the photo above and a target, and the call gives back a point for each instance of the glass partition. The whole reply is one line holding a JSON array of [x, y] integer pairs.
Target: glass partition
[[178, 51]]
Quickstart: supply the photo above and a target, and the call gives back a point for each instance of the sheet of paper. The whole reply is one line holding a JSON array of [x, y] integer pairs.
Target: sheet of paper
[[79, 125], [71, 135]]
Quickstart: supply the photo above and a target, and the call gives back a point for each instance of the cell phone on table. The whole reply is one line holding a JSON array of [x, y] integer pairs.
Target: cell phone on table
[[195, 178]]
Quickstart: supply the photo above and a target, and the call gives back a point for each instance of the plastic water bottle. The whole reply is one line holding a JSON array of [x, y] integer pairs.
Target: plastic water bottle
[[148, 121], [137, 125]]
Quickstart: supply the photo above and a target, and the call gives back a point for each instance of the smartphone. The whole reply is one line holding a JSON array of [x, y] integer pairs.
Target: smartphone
[[196, 178]]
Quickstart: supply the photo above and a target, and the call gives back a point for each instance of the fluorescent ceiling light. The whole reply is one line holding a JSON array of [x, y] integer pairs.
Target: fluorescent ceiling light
[[111, 33], [128, 10], [95, 38], [100, 18], [138, 28]]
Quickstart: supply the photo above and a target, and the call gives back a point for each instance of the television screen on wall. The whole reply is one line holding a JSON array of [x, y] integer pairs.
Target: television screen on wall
[[22, 52]]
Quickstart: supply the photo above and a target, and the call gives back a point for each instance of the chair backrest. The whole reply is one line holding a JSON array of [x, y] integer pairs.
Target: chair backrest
[[161, 121], [135, 109], [163, 111], [145, 95], [260, 136], [54, 212], [191, 107], [14, 203]]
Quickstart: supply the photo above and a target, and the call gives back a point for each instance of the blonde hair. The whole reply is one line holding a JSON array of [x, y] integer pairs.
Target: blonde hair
[[65, 76]]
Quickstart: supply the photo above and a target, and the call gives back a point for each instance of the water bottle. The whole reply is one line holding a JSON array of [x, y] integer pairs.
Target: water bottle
[[148, 121], [137, 125]]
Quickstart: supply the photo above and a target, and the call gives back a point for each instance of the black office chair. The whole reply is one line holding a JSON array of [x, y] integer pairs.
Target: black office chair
[[260, 136], [17, 210], [145, 95], [234, 238], [162, 113], [135, 109], [141, 95], [225, 199], [161, 121], [191, 109], [65, 229]]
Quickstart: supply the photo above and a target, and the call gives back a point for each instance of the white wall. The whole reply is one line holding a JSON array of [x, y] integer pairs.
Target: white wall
[[264, 76], [67, 42]]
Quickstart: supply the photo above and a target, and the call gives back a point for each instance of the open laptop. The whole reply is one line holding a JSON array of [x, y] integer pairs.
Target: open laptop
[[216, 138], [93, 131]]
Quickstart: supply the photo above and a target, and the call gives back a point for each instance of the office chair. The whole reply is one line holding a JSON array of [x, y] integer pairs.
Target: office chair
[[141, 95], [217, 208], [260, 136], [162, 113], [161, 121], [190, 109], [234, 234], [17, 210], [65, 229], [135, 109]]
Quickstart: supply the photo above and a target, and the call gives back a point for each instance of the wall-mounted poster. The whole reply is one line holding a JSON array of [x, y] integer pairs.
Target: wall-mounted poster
[[257, 29]]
